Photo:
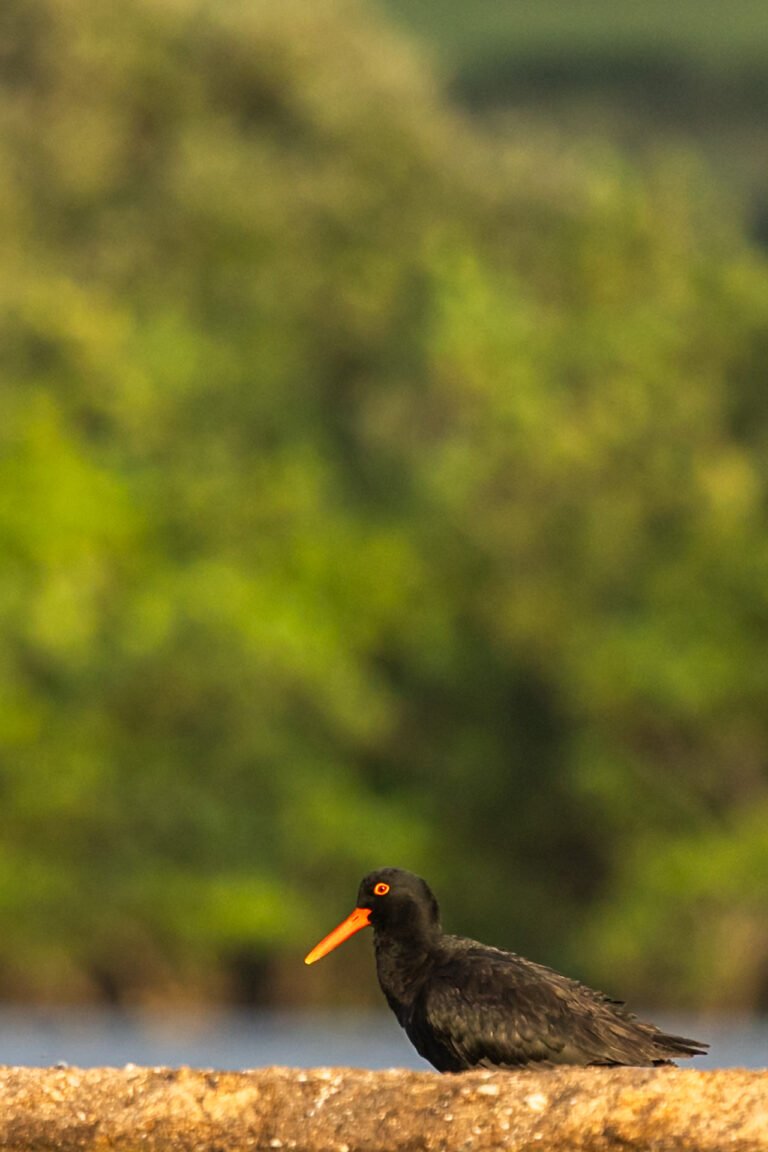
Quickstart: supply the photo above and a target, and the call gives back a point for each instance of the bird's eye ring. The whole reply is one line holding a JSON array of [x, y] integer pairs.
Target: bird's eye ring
[[380, 889]]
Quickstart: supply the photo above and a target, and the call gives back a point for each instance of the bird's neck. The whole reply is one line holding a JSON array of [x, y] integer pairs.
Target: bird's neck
[[403, 963]]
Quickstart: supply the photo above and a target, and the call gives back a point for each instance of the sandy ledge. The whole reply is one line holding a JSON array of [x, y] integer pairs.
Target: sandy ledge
[[349, 1110]]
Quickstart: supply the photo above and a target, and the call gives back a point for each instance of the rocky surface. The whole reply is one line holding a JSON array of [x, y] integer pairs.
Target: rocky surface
[[348, 1110]]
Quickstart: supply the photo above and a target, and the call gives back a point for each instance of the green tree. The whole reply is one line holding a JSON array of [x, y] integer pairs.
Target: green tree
[[371, 492]]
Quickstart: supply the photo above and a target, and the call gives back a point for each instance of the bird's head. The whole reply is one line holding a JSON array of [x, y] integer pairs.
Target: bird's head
[[394, 902]]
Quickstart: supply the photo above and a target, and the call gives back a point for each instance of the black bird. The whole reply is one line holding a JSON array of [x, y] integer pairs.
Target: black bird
[[467, 1005]]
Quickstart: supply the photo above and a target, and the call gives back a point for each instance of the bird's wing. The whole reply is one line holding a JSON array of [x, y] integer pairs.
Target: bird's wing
[[486, 1007]]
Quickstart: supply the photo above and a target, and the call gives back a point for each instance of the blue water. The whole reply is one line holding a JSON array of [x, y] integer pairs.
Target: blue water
[[235, 1040]]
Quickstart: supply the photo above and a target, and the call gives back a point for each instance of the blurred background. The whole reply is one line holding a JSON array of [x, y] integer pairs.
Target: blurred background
[[383, 481]]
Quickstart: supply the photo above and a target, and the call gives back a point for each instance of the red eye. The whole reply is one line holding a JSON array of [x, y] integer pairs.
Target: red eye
[[380, 889]]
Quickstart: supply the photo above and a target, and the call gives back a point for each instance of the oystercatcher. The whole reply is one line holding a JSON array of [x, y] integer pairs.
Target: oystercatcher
[[468, 1005]]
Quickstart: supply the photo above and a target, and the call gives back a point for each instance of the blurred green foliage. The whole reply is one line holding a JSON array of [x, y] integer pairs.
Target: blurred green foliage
[[372, 491]]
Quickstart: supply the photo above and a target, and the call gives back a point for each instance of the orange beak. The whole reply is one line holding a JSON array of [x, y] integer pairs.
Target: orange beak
[[360, 918]]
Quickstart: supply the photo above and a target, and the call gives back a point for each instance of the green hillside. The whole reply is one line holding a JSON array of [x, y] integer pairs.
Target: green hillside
[[718, 38], [648, 77]]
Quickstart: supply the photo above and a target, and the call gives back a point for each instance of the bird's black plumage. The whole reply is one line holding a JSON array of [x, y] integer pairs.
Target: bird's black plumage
[[467, 1005]]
